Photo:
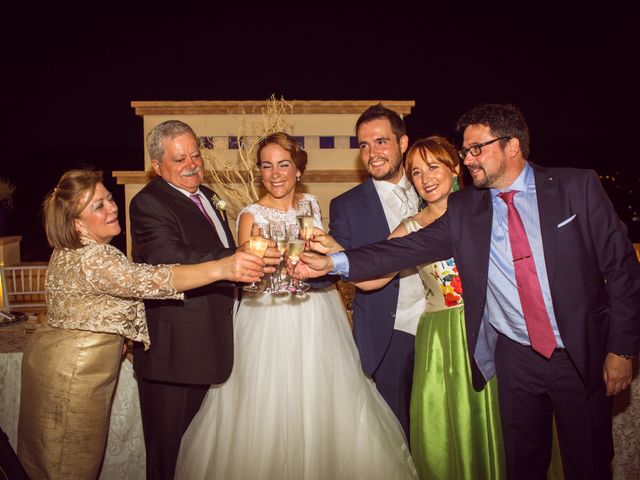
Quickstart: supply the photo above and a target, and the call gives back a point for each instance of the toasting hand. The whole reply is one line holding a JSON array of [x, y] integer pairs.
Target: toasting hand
[[322, 242], [271, 258], [311, 265]]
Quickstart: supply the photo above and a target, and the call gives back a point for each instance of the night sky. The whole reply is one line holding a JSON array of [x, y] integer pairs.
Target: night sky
[[69, 78]]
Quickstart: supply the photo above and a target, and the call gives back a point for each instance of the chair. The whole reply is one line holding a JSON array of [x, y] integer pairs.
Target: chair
[[23, 287]]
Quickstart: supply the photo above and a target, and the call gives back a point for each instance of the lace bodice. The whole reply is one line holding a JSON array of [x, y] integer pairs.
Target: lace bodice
[[97, 288], [262, 214], [441, 279]]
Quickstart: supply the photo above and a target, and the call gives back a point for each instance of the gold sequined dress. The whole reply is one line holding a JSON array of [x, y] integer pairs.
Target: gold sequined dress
[[71, 364]]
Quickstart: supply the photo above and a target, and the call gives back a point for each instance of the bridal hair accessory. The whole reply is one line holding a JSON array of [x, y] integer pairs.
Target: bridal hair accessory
[[219, 204]]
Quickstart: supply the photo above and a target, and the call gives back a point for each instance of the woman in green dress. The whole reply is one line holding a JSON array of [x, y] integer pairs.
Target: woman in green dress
[[455, 430]]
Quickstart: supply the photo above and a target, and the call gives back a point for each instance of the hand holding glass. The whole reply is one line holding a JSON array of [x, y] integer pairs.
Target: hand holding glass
[[295, 246], [304, 213], [258, 243]]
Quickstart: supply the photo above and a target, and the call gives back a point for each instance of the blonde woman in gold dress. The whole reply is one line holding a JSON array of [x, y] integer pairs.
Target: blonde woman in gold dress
[[70, 365]]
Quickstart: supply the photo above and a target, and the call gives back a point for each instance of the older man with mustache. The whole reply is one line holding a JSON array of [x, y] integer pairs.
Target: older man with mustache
[[174, 221]]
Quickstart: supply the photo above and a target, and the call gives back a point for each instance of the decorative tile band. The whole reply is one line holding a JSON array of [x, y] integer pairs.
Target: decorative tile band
[[310, 142]]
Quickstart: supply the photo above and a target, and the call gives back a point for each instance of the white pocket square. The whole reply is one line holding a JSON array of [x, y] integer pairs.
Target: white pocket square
[[564, 222]]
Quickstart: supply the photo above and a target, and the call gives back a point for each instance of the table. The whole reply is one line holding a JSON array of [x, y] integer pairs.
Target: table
[[626, 430], [125, 453]]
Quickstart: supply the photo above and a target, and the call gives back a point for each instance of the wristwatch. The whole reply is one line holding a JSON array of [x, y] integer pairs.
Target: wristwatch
[[625, 356]]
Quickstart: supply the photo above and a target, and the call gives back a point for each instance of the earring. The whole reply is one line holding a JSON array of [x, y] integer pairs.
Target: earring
[[456, 184], [297, 178]]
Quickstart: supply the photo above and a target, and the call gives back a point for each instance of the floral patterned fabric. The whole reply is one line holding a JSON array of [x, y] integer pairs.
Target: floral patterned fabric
[[96, 288], [442, 283]]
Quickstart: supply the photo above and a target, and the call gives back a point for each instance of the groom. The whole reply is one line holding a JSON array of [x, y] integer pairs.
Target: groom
[[174, 221], [384, 320]]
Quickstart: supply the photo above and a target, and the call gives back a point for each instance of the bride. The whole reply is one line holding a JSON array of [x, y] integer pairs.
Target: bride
[[297, 404]]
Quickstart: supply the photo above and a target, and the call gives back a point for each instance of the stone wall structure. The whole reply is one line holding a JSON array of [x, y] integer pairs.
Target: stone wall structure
[[324, 128]]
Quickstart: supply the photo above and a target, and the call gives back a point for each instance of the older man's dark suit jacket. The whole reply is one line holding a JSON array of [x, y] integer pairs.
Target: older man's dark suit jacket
[[594, 275], [191, 341]]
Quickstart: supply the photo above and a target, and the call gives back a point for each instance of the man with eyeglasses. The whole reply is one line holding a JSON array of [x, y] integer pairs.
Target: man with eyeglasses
[[552, 292]]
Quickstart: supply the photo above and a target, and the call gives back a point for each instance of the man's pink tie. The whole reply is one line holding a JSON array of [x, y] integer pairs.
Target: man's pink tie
[[195, 198], [535, 313]]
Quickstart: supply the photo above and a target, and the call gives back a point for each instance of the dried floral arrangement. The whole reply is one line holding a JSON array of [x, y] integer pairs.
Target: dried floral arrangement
[[6, 193], [236, 183]]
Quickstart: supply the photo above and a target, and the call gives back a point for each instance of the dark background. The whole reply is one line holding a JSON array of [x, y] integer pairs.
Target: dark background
[[69, 78]]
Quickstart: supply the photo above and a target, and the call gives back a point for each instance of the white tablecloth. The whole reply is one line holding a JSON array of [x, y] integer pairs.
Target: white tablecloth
[[125, 454], [626, 431]]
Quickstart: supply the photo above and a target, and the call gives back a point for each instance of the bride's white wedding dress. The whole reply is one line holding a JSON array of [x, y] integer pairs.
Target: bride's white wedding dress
[[297, 404]]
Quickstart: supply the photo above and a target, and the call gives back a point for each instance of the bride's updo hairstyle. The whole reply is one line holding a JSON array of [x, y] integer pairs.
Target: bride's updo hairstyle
[[286, 141], [441, 149], [64, 204]]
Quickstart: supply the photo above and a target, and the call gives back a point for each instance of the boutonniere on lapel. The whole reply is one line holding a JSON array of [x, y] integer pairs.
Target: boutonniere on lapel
[[219, 204]]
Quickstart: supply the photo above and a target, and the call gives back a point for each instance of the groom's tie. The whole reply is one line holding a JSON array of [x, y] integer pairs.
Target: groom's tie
[[401, 193], [535, 313]]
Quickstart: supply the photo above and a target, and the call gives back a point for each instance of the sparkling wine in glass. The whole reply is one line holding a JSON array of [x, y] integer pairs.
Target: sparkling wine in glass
[[294, 249], [258, 243], [304, 213], [295, 246], [278, 233], [281, 245]]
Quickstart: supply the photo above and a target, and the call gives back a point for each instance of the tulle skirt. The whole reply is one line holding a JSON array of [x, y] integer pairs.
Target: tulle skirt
[[68, 379], [297, 404]]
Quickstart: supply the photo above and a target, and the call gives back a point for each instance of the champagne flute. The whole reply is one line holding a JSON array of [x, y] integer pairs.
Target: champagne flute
[[278, 233], [304, 212], [295, 246], [258, 243]]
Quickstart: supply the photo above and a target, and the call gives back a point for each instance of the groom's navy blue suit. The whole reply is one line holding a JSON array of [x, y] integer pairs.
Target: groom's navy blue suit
[[357, 218]]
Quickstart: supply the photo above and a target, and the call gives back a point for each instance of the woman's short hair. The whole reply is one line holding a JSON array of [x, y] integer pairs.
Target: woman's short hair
[[286, 141], [63, 205], [441, 149]]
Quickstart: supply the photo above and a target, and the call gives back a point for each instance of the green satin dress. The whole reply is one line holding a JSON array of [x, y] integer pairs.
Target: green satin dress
[[455, 431]]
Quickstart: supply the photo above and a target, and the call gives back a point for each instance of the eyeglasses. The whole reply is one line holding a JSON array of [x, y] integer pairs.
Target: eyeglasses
[[475, 150]]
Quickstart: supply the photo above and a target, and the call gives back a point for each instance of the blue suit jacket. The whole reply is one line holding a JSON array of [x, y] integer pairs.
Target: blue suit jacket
[[357, 218], [594, 275]]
